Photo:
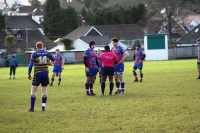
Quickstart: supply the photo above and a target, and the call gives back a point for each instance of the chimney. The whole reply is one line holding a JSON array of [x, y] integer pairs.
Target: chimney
[[5, 3], [84, 23]]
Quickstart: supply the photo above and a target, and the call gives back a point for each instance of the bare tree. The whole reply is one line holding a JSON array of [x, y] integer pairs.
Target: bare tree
[[167, 11]]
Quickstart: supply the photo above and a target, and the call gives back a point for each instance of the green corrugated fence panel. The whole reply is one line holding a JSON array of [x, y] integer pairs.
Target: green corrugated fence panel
[[21, 59]]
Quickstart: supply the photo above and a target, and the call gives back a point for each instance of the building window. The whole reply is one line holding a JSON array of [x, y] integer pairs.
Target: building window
[[19, 36]]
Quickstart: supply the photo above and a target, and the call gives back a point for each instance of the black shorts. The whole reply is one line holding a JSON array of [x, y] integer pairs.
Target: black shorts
[[107, 71]]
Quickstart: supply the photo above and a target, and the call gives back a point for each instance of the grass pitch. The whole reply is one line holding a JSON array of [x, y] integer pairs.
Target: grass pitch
[[168, 100]]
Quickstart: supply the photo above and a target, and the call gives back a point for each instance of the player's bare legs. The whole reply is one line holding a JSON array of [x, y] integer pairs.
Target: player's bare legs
[[121, 78], [52, 79], [59, 78], [89, 85], [135, 75], [117, 81], [141, 75]]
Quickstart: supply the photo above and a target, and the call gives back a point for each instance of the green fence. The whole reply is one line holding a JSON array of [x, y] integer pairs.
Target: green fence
[[21, 59]]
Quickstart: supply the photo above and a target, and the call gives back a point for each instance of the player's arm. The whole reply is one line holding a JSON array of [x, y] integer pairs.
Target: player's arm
[[199, 54], [51, 57], [63, 62], [133, 57], [16, 63], [125, 55], [51, 62], [85, 61], [30, 69], [97, 62], [86, 65], [143, 56]]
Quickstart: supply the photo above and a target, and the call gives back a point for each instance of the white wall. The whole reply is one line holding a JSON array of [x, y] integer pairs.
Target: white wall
[[158, 54], [37, 18], [79, 44]]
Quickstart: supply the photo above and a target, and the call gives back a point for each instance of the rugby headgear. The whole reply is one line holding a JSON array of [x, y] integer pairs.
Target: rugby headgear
[[138, 45], [91, 43]]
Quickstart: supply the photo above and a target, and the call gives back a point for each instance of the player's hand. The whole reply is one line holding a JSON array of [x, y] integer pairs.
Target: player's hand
[[120, 62], [140, 61], [62, 68], [87, 69], [29, 77]]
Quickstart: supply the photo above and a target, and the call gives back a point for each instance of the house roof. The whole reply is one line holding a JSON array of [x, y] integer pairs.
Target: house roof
[[21, 22], [24, 9], [99, 40], [33, 37], [77, 33], [190, 37], [38, 11], [22, 2], [191, 17], [123, 32]]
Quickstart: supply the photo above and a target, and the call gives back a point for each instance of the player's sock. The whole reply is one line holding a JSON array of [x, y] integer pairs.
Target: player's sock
[[103, 85], [87, 88], [94, 79], [122, 86], [91, 89], [135, 75], [100, 77], [52, 79], [32, 102], [141, 76], [59, 80], [117, 84], [44, 101], [111, 88]]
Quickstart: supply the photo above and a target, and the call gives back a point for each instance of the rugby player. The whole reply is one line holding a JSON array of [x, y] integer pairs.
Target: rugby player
[[91, 68], [198, 60], [138, 58], [40, 60], [121, 54], [58, 66]]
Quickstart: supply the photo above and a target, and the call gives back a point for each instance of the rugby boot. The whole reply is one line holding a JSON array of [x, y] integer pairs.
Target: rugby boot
[[92, 94], [29, 110]]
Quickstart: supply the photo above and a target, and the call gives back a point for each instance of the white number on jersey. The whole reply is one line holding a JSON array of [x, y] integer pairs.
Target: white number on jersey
[[42, 60]]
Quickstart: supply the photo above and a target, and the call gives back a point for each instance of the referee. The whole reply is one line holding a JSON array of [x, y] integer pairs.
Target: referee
[[108, 59]]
